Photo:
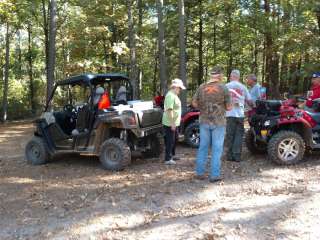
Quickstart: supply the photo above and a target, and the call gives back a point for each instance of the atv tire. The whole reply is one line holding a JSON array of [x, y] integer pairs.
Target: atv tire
[[115, 154], [36, 152], [156, 147], [286, 148], [192, 135], [253, 146]]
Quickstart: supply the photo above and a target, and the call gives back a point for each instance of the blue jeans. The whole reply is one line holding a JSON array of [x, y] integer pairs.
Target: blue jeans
[[214, 135]]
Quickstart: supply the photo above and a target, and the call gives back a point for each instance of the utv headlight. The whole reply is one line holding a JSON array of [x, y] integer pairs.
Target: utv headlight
[[267, 123]]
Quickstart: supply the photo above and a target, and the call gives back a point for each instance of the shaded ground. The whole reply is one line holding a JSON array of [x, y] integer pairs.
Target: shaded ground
[[73, 198]]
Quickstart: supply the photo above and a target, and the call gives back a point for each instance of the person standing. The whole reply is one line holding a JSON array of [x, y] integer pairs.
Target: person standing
[[235, 117], [314, 92], [171, 119], [255, 88], [212, 99]]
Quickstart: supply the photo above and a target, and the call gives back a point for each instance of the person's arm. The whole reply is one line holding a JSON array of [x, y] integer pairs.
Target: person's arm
[[248, 98], [227, 99], [195, 99]]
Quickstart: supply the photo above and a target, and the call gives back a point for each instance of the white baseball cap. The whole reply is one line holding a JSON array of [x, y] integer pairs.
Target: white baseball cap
[[178, 83]]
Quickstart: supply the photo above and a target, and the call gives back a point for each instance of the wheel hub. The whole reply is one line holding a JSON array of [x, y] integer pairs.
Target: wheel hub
[[288, 149]]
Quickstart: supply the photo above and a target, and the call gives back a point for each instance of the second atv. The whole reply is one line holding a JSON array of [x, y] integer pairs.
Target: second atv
[[284, 131]]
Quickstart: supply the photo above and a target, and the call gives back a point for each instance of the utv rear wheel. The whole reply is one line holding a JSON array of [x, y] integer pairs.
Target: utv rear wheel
[[155, 147], [254, 146], [192, 135], [115, 154], [36, 152], [286, 147]]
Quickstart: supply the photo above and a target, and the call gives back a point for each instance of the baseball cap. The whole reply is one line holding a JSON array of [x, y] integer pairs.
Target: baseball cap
[[316, 75], [252, 77], [178, 83], [216, 70]]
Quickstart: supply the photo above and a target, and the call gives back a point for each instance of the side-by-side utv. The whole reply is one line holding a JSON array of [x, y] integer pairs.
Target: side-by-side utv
[[73, 123]]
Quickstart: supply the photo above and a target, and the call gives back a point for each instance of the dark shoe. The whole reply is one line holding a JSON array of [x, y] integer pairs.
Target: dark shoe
[[233, 159], [176, 158], [215, 179]]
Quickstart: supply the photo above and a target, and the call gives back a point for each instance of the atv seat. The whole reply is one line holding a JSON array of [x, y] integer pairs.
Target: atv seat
[[268, 106]]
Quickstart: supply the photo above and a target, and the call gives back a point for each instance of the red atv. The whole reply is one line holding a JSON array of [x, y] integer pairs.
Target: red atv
[[189, 126], [284, 131]]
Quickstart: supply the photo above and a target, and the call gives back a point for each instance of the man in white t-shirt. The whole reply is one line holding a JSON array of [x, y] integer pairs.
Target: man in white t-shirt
[[235, 117]]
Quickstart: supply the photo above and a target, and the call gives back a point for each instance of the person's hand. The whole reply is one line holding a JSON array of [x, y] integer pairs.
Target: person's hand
[[173, 128]]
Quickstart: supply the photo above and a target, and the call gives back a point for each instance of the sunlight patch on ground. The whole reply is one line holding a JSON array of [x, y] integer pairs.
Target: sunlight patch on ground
[[18, 180], [107, 223]]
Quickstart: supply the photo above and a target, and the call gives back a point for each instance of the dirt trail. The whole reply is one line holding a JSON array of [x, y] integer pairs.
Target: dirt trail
[[73, 198]]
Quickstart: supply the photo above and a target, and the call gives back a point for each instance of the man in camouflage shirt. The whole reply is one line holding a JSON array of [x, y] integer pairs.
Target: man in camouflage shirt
[[213, 100]]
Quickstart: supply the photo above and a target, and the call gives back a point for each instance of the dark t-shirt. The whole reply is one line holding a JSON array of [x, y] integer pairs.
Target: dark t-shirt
[[212, 99]]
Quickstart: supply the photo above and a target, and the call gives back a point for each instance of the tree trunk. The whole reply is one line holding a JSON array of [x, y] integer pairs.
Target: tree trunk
[[200, 50], [30, 72], [52, 47], [19, 60], [214, 41], [284, 72], [162, 54], [132, 47], [105, 53], [306, 79], [46, 35], [182, 52], [318, 17], [6, 76], [230, 53], [272, 58], [140, 19]]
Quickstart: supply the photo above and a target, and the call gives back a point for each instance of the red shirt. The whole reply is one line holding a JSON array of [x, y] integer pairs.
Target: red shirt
[[159, 100], [314, 93], [104, 102]]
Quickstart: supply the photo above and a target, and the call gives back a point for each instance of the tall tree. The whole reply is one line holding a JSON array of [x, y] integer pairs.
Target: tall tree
[[6, 75], [132, 47], [272, 58], [182, 51], [162, 46], [52, 47], [30, 70], [200, 46]]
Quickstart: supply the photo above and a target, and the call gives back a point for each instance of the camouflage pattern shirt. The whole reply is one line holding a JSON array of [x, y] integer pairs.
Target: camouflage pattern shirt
[[212, 99]]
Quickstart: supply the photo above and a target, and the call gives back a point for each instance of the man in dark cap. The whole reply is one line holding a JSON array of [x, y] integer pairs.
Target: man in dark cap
[[213, 100]]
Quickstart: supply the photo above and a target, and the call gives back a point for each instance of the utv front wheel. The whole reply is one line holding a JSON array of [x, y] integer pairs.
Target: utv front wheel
[[36, 152], [115, 154], [286, 147], [192, 135], [254, 146]]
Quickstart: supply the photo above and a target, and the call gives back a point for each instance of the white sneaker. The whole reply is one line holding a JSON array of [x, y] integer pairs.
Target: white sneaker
[[170, 162]]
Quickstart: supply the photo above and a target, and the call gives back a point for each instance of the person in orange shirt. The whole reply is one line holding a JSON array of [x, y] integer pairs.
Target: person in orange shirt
[[102, 99]]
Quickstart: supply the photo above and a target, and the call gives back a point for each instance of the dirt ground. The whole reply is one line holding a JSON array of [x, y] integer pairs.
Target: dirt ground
[[73, 198]]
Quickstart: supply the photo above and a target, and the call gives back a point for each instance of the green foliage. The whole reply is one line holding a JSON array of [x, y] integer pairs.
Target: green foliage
[[92, 36]]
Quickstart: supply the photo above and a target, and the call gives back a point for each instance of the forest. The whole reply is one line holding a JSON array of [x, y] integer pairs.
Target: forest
[[44, 41]]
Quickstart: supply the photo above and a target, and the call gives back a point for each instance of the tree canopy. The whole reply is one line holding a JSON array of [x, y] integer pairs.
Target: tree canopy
[[43, 41]]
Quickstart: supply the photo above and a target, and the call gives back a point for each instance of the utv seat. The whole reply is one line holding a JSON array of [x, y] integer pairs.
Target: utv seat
[[83, 121]]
